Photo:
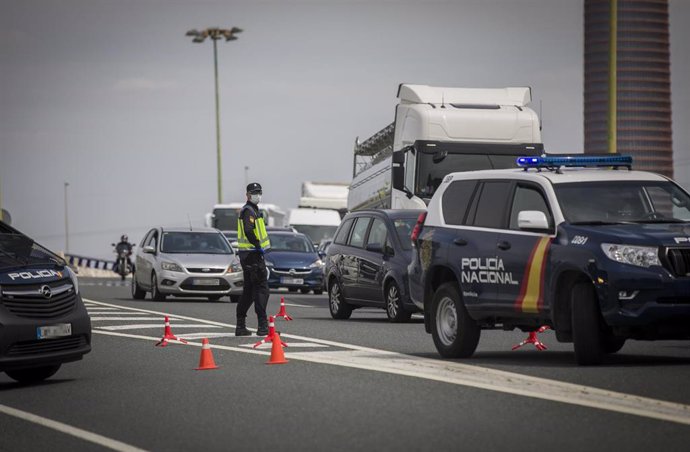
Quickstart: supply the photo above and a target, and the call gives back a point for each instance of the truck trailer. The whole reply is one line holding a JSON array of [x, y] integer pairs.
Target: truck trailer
[[438, 131]]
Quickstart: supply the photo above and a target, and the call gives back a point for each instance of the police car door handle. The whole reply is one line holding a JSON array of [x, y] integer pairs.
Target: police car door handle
[[503, 245], [460, 242]]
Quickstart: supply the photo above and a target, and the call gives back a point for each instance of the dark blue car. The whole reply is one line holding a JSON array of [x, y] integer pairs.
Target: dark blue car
[[293, 262], [366, 265]]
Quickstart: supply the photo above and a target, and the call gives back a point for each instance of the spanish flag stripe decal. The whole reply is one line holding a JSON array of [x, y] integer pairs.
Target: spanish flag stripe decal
[[531, 297]]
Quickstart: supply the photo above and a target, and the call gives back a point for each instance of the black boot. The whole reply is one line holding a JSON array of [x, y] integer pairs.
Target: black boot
[[263, 328], [241, 328]]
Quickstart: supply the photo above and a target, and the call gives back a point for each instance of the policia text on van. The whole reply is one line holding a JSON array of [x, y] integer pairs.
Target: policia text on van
[[43, 322]]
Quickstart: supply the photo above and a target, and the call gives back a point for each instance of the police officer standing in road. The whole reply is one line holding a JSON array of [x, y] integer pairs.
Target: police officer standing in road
[[252, 241]]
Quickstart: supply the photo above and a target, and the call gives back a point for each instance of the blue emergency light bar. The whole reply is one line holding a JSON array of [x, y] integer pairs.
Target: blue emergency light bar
[[614, 160]]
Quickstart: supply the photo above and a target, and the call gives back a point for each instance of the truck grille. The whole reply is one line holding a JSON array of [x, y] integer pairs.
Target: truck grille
[[679, 261], [46, 346], [30, 300]]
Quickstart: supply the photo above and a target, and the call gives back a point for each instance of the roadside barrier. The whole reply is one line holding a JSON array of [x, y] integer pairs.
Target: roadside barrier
[[282, 313], [533, 339], [206, 361], [89, 262], [271, 333], [168, 336]]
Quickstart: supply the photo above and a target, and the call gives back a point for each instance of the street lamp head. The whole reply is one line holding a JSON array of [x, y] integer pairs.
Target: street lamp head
[[236, 30], [193, 32]]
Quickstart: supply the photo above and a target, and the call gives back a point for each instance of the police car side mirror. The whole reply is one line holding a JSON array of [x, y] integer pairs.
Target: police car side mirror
[[149, 249], [533, 220]]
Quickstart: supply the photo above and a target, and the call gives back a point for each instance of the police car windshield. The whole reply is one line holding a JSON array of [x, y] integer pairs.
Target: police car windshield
[[18, 249], [194, 243], [620, 202]]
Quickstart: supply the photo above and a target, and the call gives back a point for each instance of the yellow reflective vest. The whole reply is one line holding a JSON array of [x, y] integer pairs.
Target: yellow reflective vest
[[259, 231]]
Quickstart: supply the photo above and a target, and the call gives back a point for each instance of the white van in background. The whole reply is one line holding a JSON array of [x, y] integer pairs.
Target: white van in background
[[317, 224]]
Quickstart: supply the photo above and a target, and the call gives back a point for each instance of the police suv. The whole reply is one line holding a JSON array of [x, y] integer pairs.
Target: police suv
[[583, 244], [43, 322]]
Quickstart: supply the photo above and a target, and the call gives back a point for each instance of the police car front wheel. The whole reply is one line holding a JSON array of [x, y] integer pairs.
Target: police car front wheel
[[455, 333]]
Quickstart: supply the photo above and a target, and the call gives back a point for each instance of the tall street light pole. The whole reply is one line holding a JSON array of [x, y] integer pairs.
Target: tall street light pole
[[66, 221], [215, 34]]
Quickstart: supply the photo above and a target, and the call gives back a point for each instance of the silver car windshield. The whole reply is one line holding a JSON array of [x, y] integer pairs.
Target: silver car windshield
[[194, 243], [623, 202]]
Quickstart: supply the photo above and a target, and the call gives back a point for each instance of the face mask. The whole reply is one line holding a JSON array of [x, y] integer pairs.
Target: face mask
[[256, 199]]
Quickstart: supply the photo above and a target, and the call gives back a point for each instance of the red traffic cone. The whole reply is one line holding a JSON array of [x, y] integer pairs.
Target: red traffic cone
[[282, 313], [168, 336], [277, 354], [206, 361], [271, 333], [533, 339]]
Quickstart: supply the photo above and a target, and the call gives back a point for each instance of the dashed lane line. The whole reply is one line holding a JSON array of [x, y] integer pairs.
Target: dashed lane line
[[466, 375], [69, 430]]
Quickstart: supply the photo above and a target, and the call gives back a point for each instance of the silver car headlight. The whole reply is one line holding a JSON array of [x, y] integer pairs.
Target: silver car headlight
[[640, 256], [234, 268], [171, 267]]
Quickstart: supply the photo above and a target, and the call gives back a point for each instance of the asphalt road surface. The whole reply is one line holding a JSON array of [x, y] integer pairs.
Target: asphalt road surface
[[358, 384]]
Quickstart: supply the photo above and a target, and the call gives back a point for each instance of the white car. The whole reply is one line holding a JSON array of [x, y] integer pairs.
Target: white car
[[186, 262]]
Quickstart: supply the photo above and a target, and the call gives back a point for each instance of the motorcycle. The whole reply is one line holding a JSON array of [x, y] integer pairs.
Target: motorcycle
[[123, 266]]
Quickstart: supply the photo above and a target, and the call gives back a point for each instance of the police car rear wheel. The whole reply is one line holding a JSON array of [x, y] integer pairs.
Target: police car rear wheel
[[33, 375], [454, 332], [137, 292], [336, 303], [394, 308], [587, 325]]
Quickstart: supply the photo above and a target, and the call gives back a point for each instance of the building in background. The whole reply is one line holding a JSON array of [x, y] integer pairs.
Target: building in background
[[641, 76]]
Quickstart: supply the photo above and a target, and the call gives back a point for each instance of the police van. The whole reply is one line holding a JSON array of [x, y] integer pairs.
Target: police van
[[583, 244], [43, 321]]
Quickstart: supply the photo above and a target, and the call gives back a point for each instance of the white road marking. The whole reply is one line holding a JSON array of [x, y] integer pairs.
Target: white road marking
[[298, 305], [149, 325], [291, 345], [210, 335], [108, 318], [98, 308], [467, 375], [69, 430]]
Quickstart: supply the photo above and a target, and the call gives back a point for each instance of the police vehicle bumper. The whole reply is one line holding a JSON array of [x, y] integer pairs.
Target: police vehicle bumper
[[649, 301], [298, 278], [38, 328], [188, 283]]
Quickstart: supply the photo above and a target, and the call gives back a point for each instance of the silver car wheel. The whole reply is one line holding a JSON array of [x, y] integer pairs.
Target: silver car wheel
[[447, 321], [335, 297]]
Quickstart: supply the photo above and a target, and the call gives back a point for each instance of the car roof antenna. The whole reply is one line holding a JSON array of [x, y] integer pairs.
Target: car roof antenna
[[443, 100], [190, 221]]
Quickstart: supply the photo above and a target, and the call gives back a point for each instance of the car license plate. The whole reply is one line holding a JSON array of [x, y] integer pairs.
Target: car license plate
[[292, 280], [206, 282], [59, 330]]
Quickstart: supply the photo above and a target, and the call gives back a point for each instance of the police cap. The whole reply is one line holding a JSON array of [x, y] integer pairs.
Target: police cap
[[254, 188]]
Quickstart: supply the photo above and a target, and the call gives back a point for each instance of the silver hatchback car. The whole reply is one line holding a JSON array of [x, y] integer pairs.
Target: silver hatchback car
[[186, 262]]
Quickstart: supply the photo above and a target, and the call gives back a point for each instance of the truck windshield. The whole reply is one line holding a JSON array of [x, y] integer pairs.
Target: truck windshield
[[615, 202], [225, 219], [316, 232], [194, 243], [18, 249], [430, 173]]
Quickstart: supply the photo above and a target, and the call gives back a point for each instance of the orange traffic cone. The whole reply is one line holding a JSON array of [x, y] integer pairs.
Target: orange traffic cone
[[277, 354], [168, 336], [206, 361], [271, 333], [282, 313]]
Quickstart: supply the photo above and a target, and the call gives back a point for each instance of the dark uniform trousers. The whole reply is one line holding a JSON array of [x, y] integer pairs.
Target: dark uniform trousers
[[255, 289]]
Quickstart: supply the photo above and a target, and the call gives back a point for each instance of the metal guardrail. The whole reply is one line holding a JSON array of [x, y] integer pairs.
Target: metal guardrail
[[89, 262]]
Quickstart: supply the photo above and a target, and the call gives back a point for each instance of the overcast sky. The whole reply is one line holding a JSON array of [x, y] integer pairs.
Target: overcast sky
[[113, 98]]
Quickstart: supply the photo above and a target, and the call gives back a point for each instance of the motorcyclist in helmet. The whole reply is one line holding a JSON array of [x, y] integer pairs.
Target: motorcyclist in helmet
[[123, 245]]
